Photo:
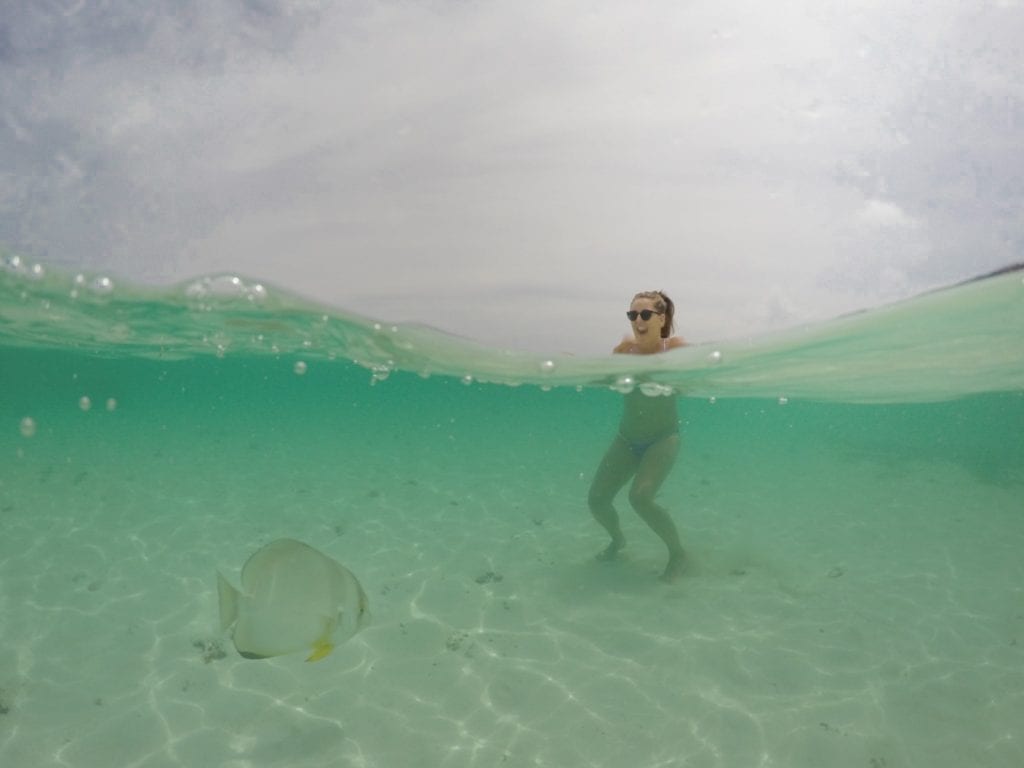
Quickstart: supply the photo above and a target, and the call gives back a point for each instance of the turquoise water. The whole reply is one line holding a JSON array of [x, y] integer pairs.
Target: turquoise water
[[849, 494]]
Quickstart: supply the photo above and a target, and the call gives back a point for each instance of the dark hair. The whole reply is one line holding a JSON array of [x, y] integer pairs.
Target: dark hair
[[663, 304]]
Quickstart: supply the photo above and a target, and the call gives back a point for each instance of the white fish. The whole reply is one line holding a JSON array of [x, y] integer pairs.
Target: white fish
[[293, 598]]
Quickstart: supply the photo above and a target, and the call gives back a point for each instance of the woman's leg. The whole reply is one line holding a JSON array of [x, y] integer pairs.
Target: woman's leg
[[654, 467], [614, 471]]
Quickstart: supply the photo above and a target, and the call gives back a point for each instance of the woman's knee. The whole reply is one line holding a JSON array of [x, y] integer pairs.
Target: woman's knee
[[641, 497]]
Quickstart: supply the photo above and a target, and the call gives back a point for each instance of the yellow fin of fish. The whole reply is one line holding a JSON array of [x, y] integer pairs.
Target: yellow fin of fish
[[321, 650]]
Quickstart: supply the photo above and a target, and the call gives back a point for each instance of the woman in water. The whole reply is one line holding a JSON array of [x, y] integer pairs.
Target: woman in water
[[647, 442]]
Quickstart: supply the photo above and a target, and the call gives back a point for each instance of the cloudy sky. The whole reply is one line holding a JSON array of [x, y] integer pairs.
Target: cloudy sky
[[514, 170]]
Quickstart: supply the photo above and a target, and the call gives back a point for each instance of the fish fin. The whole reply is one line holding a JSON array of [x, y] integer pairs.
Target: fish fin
[[321, 649], [228, 602], [365, 618], [322, 646], [248, 655]]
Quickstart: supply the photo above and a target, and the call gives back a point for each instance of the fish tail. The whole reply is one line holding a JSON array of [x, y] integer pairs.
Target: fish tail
[[228, 602]]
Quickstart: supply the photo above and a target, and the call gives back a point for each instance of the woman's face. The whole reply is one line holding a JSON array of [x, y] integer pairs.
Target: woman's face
[[650, 327]]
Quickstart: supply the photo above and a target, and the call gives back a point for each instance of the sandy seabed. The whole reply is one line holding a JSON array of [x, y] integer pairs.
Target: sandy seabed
[[839, 611]]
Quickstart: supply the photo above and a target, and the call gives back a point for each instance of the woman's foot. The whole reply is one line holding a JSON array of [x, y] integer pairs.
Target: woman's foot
[[674, 569], [612, 550]]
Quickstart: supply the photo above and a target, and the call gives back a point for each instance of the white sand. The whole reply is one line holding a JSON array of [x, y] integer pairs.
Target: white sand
[[854, 615]]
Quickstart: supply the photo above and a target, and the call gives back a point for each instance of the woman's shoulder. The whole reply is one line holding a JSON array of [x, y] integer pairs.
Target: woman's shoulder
[[624, 346], [675, 342]]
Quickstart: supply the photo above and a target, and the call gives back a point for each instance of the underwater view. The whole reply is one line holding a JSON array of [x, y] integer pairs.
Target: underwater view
[[849, 495]]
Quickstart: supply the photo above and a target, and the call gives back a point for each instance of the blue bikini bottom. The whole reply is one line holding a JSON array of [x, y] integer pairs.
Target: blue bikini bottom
[[639, 447]]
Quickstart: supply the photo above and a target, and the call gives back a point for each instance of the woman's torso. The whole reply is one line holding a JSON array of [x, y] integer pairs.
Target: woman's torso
[[646, 417]]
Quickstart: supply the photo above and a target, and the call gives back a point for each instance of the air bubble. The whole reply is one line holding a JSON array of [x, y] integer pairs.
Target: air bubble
[[715, 357], [783, 400], [654, 389], [547, 367], [111, 404], [84, 403], [624, 385], [467, 379], [300, 368], [712, 400], [102, 286], [27, 426]]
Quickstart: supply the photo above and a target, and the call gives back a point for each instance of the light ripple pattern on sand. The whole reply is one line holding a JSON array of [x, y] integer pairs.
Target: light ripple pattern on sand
[[788, 645]]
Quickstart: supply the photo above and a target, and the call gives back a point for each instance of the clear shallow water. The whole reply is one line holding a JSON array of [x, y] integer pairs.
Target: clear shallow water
[[855, 595]]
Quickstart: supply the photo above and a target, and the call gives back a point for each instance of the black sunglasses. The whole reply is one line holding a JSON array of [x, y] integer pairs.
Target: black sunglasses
[[645, 314]]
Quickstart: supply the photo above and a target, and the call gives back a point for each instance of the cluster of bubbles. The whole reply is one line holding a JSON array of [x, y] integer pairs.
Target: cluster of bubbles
[[85, 403], [381, 371], [33, 270], [624, 385], [225, 287], [28, 427], [18, 266], [100, 285], [219, 341], [654, 389]]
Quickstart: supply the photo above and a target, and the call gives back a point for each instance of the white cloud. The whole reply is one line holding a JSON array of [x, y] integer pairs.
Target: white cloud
[[882, 213]]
